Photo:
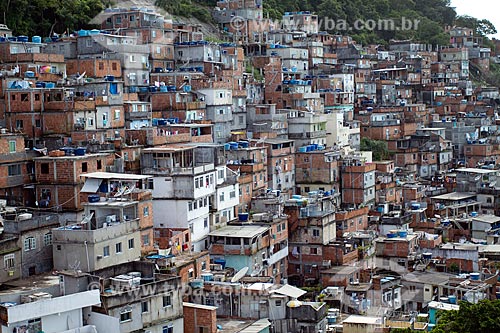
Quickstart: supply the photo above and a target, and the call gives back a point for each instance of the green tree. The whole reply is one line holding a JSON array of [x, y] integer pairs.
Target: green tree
[[41, 17], [482, 317], [379, 148], [480, 27]]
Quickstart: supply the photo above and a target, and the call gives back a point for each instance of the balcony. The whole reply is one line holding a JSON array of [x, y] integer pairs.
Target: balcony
[[178, 171], [79, 127], [187, 106], [274, 258], [138, 115], [76, 234], [47, 307], [307, 135]]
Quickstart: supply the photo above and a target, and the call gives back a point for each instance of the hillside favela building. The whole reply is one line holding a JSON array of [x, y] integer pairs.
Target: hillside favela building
[[282, 180]]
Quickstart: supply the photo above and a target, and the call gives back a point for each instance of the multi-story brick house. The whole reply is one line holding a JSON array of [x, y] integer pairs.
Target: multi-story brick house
[[59, 182], [261, 245], [281, 164], [311, 229], [183, 183], [358, 182], [16, 169]]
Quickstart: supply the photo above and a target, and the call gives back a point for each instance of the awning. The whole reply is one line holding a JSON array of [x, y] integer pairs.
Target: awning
[[91, 185], [289, 291]]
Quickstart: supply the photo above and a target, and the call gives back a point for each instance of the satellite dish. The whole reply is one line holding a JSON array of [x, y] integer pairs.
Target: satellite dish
[[241, 273]]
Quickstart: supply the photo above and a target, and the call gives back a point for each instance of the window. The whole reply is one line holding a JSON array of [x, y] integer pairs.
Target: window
[[168, 329], [205, 223], [145, 211], [117, 114], [125, 316], [145, 306], [12, 146], [131, 243], [132, 58], [29, 243], [47, 239], [190, 206], [44, 168], [84, 167], [315, 233], [221, 197], [19, 124], [118, 247], [203, 329], [38, 123], [14, 170], [167, 300], [105, 251], [88, 42], [9, 261], [145, 240], [314, 250], [232, 194]]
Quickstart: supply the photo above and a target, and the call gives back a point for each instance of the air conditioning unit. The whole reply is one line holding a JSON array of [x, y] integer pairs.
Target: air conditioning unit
[[329, 158], [215, 267], [110, 218]]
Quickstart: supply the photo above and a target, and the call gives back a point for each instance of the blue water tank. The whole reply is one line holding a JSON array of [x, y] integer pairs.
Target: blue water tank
[[452, 299], [29, 74], [220, 262], [415, 206], [94, 198], [391, 235], [475, 276], [80, 151], [23, 39], [68, 151], [243, 217], [402, 233], [227, 146], [207, 277], [427, 255], [196, 283], [303, 149], [94, 32], [36, 39], [243, 144], [50, 85]]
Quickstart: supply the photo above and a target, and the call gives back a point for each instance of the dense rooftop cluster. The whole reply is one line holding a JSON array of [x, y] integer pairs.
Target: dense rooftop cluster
[[289, 180]]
